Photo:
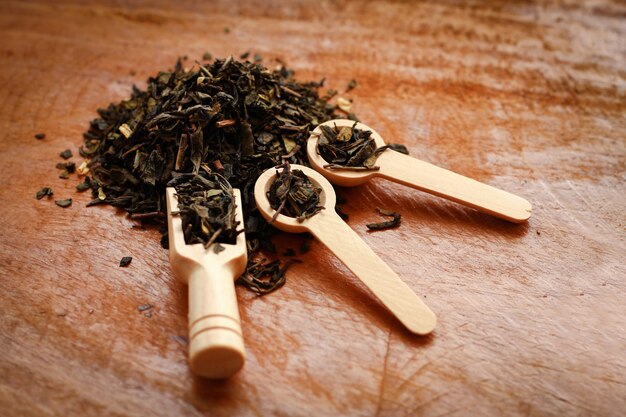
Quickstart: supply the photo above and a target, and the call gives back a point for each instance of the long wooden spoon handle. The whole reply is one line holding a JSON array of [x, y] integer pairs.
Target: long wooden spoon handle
[[447, 184], [373, 272], [216, 347]]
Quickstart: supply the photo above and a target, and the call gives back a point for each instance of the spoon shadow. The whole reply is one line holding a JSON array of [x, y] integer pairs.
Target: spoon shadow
[[429, 210]]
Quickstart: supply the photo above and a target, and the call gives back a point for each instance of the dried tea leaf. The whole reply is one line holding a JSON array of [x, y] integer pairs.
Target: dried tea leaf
[[66, 154], [351, 85], [394, 222], [64, 203], [40, 136], [125, 130], [85, 185], [45, 191], [83, 169], [125, 261]]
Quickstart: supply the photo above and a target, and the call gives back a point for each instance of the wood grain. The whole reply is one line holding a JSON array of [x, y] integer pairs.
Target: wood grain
[[528, 97]]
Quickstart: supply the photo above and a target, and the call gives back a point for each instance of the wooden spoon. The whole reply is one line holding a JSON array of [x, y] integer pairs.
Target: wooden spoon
[[333, 232], [418, 174], [216, 347]]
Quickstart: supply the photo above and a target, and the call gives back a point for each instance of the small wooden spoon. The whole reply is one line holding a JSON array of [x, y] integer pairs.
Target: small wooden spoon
[[418, 174], [333, 232], [215, 341]]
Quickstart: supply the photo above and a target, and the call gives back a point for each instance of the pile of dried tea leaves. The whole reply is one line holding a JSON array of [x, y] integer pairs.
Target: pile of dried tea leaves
[[293, 194], [231, 118], [351, 148]]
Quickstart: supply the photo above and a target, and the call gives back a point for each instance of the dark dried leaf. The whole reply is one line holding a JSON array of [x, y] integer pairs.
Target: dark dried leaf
[[395, 221], [45, 191], [125, 261], [64, 203]]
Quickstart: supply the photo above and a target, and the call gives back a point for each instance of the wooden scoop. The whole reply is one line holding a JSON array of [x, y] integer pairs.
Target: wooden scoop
[[333, 232], [418, 174], [215, 341]]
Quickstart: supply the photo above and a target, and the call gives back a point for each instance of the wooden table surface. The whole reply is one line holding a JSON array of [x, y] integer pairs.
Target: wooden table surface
[[527, 97]]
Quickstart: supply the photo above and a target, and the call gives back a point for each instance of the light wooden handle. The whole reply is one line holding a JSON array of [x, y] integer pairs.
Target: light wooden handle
[[447, 184], [373, 272], [216, 347]]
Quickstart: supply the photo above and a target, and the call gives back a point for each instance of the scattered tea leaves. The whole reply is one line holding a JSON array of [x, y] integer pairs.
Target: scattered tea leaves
[[125, 261], [394, 222], [44, 192], [351, 85], [64, 203], [70, 167], [40, 136], [66, 154], [293, 194], [265, 277]]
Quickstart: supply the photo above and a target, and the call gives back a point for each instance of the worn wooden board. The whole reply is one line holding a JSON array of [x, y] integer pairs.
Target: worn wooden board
[[527, 97]]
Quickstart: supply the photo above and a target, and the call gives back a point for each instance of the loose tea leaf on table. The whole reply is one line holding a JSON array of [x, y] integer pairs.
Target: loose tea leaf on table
[[293, 194], [233, 118], [265, 277], [125, 261], [395, 221], [66, 154], [85, 185], [45, 191], [64, 203], [70, 167]]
